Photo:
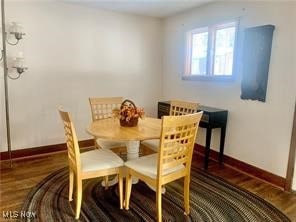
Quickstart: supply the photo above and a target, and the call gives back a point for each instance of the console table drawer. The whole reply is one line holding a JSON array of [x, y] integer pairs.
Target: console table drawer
[[205, 118]]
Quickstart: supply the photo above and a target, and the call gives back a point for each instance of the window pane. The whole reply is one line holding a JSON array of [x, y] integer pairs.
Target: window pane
[[199, 53], [224, 47]]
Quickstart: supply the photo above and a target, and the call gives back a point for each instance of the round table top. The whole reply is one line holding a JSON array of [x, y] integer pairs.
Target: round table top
[[147, 128]]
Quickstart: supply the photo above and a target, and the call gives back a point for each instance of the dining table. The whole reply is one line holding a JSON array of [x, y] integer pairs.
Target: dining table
[[110, 129]]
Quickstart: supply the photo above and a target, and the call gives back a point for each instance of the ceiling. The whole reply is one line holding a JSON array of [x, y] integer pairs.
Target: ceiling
[[154, 8]]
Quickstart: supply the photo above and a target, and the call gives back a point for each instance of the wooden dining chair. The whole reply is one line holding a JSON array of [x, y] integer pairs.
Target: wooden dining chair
[[102, 108], [91, 164], [173, 161], [177, 108]]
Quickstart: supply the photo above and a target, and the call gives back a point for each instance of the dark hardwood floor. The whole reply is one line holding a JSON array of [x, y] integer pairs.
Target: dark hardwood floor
[[16, 182]]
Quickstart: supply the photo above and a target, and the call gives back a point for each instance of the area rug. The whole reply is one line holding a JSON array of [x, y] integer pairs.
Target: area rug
[[211, 199]]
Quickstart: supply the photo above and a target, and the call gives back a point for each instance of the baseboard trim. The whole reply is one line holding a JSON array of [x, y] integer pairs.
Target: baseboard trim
[[28, 152], [214, 155], [244, 167]]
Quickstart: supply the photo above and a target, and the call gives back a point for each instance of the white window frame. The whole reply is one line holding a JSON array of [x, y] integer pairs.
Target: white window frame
[[211, 29]]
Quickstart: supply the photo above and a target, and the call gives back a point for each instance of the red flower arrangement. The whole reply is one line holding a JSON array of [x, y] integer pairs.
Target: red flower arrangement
[[128, 113]]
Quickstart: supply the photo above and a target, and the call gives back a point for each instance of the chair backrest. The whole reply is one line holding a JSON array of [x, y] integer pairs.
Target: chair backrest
[[182, 108], [72, 142], [101, 108], [177, 142]]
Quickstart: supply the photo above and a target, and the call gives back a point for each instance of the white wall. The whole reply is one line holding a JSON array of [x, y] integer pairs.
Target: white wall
[[75, 52], [294, 56], [257, 133]]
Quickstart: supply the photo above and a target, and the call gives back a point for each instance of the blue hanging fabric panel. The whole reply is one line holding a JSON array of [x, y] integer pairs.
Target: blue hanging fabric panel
[[256, 58]]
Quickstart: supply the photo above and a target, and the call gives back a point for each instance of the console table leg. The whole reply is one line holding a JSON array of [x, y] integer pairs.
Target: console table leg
[[222, 142], [208, 145]]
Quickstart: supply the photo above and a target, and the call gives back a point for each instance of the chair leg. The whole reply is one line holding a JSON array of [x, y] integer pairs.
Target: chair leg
[[120, 184], [186, 194], [97, 146], [71, 184], [158, 203], [128, 188], [78, 197]]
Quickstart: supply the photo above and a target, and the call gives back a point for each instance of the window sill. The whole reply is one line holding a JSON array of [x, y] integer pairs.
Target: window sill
[[208, 78]]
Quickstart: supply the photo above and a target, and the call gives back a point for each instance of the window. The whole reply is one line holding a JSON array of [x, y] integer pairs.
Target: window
[[210, 52]]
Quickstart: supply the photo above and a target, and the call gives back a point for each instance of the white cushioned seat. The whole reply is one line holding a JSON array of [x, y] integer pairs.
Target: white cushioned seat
[[108, 144], [99, 159], [147, 165], [152, 144]]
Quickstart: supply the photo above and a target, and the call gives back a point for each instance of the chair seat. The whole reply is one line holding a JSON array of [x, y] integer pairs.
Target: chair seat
[[147, 165], [152, 144], [108, 144], [99, 159]]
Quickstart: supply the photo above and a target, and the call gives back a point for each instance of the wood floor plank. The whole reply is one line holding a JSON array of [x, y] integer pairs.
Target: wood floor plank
[[15, 183]]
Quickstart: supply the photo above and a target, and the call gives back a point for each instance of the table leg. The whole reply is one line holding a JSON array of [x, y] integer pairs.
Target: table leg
[[133, 148], [208, 145], [132, 153]]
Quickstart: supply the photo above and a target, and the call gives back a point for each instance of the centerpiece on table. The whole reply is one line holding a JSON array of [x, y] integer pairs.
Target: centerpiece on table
[[128, 113]]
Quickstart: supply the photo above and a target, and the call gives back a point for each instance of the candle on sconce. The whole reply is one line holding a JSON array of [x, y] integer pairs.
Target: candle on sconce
[[18, 63], [19, 60], [13, 27], [16, 27], [19, 28]]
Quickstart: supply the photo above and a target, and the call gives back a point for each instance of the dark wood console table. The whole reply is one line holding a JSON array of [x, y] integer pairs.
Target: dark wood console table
[[212, 118]]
